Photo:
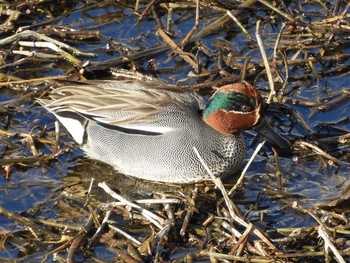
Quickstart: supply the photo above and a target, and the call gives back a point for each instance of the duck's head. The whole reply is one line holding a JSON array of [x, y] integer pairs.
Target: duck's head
[[237, 107]]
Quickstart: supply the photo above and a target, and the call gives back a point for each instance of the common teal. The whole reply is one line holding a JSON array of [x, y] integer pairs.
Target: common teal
[[148, 130]]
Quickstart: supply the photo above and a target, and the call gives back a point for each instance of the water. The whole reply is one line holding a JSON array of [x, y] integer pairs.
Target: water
[[307, 179]]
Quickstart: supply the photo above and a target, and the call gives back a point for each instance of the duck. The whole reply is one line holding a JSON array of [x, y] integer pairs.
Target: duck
[[148, 130]]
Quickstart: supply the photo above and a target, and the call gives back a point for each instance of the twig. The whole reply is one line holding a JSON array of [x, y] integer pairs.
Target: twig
[[99, 229], [36, 54], [223, 21], [148, 7], [123, 233], [322, 231], [18, 100], [278, 39], [150, 52], [22, 160], [177, 49], [324, 103], [194, 28], [160, 236], [278, 170], [328, 243], [55, 146], [319, 151], [156, 220], [15, 82], [242, 241], [53, 47], [78, 240], [244, 69], [239, 24], [228, 201], [159, 201], [240, 179], [234, 232], [277, 10], [149, 201], [266, 63], [236, 258], [30, 33], [189, 213]]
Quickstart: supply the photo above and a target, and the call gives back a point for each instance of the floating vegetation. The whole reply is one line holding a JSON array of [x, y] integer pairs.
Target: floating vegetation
[[284, 206]]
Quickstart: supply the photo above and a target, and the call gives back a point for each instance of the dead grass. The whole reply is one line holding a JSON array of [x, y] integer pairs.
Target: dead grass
[[191, 225]]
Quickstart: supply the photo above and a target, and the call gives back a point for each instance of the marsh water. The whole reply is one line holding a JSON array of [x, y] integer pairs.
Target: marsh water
[[314, 108]]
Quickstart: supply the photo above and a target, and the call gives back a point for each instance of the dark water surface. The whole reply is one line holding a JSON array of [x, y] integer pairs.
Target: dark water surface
[[307, 178]]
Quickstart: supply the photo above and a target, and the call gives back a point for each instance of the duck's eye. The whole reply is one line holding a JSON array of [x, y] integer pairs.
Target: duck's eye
[[245, 108]]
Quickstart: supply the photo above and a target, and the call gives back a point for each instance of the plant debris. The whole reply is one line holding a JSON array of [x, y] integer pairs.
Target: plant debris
[[283, 207]]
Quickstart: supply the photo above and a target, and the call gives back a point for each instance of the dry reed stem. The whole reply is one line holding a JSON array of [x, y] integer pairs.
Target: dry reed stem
[[278, 170], [239, 24], [217, 181], [318, 151], [34, 80], [177, 49], [124, 234], [30, 224], [277, 10], [48, 40], [99, 226], [266, 63], [194, 28], [322, 231], [246, 167], [156, 220], [223, 21]]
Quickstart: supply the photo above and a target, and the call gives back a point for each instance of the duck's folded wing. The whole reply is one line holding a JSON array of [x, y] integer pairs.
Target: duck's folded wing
[[128, 106]]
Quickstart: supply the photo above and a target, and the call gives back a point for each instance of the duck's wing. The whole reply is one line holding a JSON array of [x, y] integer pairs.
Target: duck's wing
[[130, 105]]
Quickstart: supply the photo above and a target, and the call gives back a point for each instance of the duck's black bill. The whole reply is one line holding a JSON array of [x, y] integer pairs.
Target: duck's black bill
[[264, 128]]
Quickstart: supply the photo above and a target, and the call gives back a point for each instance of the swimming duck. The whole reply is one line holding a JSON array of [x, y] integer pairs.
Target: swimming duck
[[148, 130]]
